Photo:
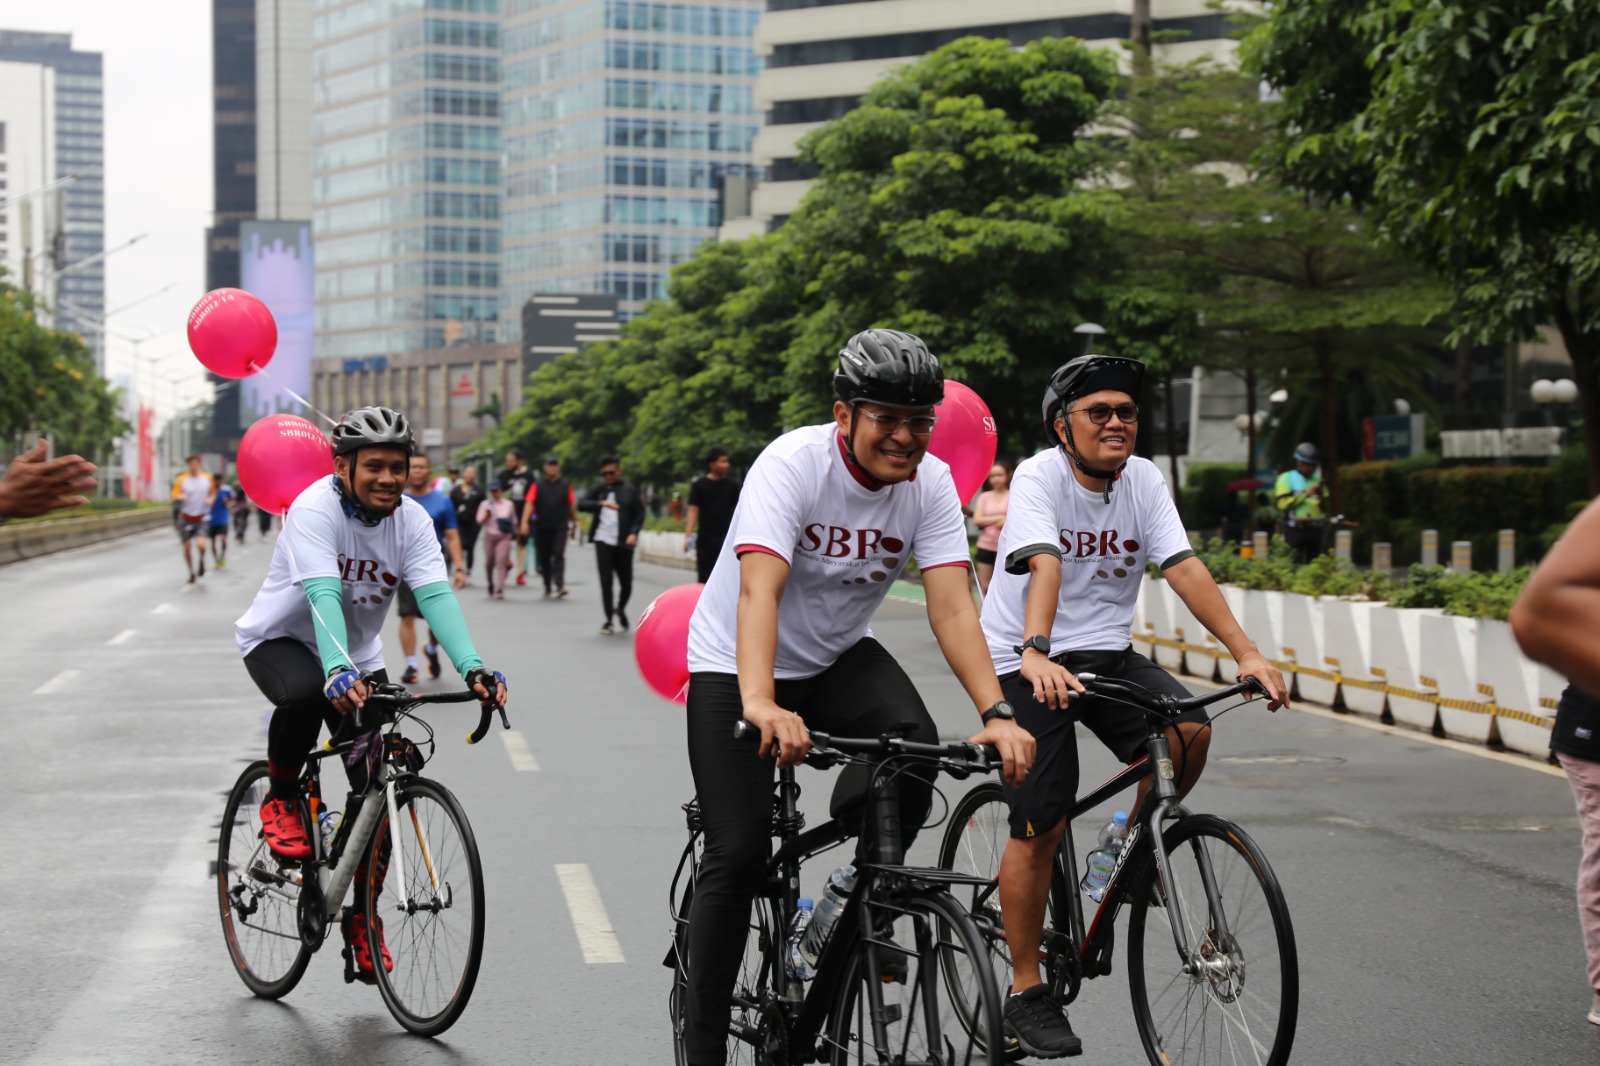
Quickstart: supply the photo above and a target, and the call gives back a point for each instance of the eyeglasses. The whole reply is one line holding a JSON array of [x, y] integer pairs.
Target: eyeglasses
[[920, 425], [608, 473], [1101, 413]]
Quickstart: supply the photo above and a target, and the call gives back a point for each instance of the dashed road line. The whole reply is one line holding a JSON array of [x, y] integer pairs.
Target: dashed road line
[[162, 608], [57, 683], [596, 936], [517, 748], [122, 638]]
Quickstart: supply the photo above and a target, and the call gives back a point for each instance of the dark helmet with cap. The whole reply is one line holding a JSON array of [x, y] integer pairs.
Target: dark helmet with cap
[[888, 367], [1086, 374], [372, 427], [1306, 452]]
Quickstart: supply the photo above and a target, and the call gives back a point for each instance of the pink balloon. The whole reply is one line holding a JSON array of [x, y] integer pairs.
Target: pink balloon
[[232, 333], [965, 437], [661, 641], [279, 457]]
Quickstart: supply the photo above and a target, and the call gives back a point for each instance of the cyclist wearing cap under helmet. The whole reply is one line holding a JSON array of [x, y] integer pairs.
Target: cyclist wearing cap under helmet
[[826, 520], [1298, 493], [314, 628], [1084, 518]]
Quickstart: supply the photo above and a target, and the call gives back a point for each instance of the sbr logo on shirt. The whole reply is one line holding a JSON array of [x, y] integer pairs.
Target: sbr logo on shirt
[[367, 571], [1100, 544], [852, 548]]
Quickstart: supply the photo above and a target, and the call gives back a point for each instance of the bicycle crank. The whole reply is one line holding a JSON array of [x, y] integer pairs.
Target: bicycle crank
[[312, 914]]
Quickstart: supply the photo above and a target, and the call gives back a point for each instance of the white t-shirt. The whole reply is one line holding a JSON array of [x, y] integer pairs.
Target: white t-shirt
[[1103, 549], [605, 525], [192, 491], [320, 540], [844, 542]]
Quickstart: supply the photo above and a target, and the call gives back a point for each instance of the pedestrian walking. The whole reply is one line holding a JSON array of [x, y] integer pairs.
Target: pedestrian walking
[[466, 497], [263, 520], [1299, 497], [241, 514], [35, 484], [989, 515], [517, 477], [497, 517], [712, 499], [547, 517], [619, 516]]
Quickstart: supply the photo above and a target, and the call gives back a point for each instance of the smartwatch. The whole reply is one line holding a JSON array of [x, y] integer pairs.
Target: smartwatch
[[999, 710], [1038, 644]]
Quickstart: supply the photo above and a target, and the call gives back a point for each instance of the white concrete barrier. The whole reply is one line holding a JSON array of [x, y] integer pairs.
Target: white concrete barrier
[[665, 548], [1302, 649], [1162, 625], [28, 540], [1141, 631], [1199, 656], [1396, 655], [1227, 669], [1449, 653], [1347, 652]]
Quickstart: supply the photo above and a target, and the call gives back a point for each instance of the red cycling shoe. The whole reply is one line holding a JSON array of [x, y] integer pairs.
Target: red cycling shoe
[[358, 946], [283, 830]]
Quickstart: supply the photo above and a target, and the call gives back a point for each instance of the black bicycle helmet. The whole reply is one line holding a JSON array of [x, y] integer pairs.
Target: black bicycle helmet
[[888, 367], [1079, 377], [372, 427], [1306, 452]]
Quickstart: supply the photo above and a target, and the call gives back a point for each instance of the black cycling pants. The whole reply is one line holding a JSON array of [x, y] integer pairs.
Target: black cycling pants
[[290, 675], [863, 694]]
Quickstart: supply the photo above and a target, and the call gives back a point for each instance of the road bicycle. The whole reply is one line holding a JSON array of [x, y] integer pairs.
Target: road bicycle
[[277, 912], [1212, 964], [898, 951]]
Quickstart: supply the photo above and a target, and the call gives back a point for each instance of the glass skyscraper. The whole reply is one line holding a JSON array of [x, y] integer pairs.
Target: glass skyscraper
[[406, 174], [622, 118], [79, 149]]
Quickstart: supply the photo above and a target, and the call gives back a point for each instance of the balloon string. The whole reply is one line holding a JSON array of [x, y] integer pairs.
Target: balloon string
[[307, 404], [294, 576]]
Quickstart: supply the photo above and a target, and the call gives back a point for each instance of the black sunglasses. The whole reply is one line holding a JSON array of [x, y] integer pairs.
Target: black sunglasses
[[1101, 413]]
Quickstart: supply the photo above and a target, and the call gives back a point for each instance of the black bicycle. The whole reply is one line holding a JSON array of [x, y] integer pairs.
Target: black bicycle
[[899, 951], [1212, 964], [277, 912]]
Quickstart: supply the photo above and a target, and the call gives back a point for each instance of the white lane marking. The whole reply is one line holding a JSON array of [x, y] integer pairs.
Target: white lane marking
[[122, 638], [517, 748], [595, 934], [162, 608], [57, 683]]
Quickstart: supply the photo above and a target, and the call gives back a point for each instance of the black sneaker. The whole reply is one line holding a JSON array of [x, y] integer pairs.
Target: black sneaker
[[409, 677], [606, 630], [432, 652], [1039, 1024]]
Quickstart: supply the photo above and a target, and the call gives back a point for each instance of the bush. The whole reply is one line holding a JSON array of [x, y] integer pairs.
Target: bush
[[1373, 495], [1474, 595], [1278, 571], [1475, 503], [1205, 504]]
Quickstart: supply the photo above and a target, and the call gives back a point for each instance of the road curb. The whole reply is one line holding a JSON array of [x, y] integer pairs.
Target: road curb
[[31, 540]]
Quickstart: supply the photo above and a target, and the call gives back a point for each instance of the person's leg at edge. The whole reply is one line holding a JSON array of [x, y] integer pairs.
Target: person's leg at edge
[[605, 561], [1584, 776], [542, 542], [520, 553], [558, 561], [502, 561], [624, 583]]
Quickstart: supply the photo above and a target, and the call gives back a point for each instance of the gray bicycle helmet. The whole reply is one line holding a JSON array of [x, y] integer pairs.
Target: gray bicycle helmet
[[372, 427], [888, 367], [1079, 377], [1306, 452]]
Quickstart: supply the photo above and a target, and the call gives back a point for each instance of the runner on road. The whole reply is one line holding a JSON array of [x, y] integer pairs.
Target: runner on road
[[192, 494], [218, 526]]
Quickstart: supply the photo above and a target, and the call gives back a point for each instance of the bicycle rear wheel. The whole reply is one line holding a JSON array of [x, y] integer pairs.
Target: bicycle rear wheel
[[259, 897], [434, 925], [914, 1019], [1237, 1000]]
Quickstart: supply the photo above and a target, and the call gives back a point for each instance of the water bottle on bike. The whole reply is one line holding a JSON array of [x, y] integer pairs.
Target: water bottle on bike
[[795, 963], [1103, 859], [834, 895]]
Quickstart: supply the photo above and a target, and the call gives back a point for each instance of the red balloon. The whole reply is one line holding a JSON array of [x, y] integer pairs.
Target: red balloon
[[661, 641], [232, 333], [965, 437], [279, 457]]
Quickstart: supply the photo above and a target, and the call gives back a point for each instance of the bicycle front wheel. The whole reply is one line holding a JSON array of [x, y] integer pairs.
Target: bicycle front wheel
[[895, 1003], [259, 896], [430, 905], [1235, 998], [756, 1035]]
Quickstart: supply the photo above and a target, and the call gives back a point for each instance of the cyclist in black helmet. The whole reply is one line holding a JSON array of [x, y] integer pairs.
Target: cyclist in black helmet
[[1083, 520], [312, 634], [827, 519]]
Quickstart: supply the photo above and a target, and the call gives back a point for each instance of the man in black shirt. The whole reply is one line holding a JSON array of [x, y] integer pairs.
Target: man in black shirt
[[465, 498], [618, 517], [547, 515], [711, 502]]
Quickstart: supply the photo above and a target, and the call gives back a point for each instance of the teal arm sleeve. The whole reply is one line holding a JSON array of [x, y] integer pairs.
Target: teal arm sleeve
[[327, 615], [442, 611]]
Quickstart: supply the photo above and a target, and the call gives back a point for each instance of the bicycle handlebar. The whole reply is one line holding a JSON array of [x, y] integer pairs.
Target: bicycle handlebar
[[1162, 706], [958, 758], [396, 697]]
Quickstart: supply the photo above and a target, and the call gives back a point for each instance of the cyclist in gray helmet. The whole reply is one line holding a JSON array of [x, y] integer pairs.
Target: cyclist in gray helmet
[[1298, 494], [311, 639]]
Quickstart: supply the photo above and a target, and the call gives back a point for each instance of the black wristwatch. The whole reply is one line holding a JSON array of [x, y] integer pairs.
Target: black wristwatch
[[1038, 644], [999, 710]]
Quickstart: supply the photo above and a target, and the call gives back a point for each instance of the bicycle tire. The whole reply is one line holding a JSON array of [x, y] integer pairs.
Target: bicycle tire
[[1225, 1014], [752, 1005], [436, 949], [938, 925], [260, 912]]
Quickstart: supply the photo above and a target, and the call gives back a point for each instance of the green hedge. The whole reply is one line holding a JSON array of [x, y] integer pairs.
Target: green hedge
[[1202, 499]]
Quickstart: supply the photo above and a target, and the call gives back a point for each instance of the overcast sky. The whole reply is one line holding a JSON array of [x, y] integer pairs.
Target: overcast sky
[[157, 68]]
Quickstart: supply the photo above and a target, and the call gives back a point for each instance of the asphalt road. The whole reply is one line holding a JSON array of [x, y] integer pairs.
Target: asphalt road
[[1431, 887]]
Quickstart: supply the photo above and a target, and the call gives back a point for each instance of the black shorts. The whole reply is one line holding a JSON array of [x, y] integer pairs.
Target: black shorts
[[986, 557], [1052, 785], [407, 601], [219, 529]]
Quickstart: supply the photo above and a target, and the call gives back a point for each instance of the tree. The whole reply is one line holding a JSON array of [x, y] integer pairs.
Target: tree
[[1471, 129], [1273, 283]]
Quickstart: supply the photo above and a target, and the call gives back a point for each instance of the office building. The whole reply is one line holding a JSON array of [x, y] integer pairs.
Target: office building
[[283, 93], [30, 219], [78, 292], [405, 174], [821, 56], [622, 122]]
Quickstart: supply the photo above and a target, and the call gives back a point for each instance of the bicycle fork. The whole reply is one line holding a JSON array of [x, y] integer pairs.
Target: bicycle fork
[[1167, 804]]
